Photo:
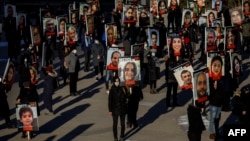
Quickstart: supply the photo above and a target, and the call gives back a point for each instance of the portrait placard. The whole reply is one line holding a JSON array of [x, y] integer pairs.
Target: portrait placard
[[27, 118], [111, 34], [216, 64], [71, 34], [201, 85], [113, 55], [236, 63], [183, 74], [21, 20], [129, 70], [61, 22]]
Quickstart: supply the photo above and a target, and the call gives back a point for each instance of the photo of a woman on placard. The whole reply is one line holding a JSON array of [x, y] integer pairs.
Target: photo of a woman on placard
[[9, 75], [176, 45], [215, 71], [219, 37], [230, 39], [162, 7], [35, 35], [119, 5], [154, 7], [236, 66], [187, 19]]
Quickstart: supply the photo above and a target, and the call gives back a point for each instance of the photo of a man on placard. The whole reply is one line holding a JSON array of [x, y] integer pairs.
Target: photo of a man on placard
[[183, 74], [201, 86], [113, 56]]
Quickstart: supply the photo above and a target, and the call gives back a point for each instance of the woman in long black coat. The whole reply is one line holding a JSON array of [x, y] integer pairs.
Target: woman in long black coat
[[4, 110]]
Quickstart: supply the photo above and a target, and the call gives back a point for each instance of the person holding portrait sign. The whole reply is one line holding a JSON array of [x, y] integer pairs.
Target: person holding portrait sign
[[61, 30], [216, 94], [9, 27], [201, 89], [49, 28], [22, 31], [5, 110], [174, 15], [113, 55]]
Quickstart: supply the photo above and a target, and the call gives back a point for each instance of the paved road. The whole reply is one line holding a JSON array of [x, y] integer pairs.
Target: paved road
[[85, 117]]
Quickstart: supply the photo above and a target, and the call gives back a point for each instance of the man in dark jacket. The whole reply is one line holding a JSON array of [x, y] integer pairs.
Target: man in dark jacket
[[117, 104], [196, 125], [10, 31], [4, 110]]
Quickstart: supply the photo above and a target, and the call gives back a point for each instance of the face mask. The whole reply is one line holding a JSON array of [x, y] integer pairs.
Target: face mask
[[96, 41], [145, 46], [74, 51], [116, 84], [25, 60], [153, 54]]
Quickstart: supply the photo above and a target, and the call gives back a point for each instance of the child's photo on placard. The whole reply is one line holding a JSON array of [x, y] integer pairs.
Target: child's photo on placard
[[27, 118]]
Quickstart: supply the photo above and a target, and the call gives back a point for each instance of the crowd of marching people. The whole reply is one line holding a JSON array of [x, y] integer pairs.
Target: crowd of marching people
[[126, 53]]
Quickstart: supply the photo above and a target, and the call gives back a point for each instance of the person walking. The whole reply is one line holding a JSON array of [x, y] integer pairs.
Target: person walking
[[97, 50], [73, 66], [117, 105], [49, 78]]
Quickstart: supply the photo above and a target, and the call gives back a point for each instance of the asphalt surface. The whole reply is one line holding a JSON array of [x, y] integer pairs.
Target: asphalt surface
[[85, 117]]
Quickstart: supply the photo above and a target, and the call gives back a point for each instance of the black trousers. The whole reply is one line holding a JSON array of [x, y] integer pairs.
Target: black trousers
[[132, 113], [73, 82], [194, 136], [87, 54], [115, 123], [99, 68], [169, 91]]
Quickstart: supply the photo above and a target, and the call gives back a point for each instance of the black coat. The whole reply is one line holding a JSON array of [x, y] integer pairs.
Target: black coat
[[196, 124], [117, 101], [216, 95], [4, 110]]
